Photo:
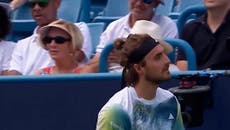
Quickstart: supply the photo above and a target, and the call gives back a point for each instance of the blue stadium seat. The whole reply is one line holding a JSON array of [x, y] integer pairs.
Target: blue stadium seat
[[95, 31], [183, 4], [21, 29], [186, 48], [106, 19], [71, 10], [167, 8], [22, 13], [114, 9], [183, 45], [103, 66], [74, 10], [96, 6], [190, 14]]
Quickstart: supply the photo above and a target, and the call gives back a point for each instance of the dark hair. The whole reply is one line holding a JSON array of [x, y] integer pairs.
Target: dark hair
[[126, 47], [5, 24]]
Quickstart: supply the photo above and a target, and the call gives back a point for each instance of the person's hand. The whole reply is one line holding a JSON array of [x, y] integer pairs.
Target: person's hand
[[114, 57]]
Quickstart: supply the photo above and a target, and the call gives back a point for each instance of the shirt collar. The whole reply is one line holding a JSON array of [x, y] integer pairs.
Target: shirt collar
[[126, 23], [35, 34]]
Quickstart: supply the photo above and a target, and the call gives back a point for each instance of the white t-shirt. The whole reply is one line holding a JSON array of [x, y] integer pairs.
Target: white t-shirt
[[160, 113], [28, 56], [121, 29], [6, 49]]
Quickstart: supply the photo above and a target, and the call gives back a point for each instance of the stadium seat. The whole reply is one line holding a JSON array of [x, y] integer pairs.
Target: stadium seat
[[114, 9], [106, 19], [166, 8], [22, 13], [74, 10], [71, 10], [21, 29], [189, 52], [95, 31], [96, 6], [183, 4], [190, 14], [186, 48]]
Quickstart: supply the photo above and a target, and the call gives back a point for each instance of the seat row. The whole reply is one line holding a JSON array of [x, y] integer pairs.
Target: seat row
[[79, 10], [24, 28]]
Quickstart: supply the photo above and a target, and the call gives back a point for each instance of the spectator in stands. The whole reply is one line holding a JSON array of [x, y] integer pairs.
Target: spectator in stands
[[14, 4], [142, 105], [28, 56], [62, 39], [153, 30], [209, 36], [6, 47], [139, 10]]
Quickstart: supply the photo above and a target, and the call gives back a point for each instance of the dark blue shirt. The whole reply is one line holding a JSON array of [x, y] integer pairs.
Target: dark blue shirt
[[212, 49]]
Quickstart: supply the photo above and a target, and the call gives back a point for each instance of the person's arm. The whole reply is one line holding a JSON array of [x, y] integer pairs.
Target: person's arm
[[16, 60], [182, 65], [4, 72], [92, 66], [114, 57], [186, 34], [14, 4], [38, 72], [113, 118], [13, 72], [7, 57]]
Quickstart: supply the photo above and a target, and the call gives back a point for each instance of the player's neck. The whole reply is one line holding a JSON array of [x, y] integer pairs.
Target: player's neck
[[146, 90]]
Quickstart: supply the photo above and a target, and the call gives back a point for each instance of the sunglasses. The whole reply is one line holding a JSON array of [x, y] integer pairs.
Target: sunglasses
[[40, 3], [148, 1], [57, 39]]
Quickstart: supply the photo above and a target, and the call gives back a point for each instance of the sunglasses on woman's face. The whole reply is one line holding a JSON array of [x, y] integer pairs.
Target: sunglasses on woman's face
[[148, 1], [57, 39], [42, 4]]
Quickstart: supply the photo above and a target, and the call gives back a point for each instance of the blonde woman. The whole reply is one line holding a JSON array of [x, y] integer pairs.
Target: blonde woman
[[63, 40]]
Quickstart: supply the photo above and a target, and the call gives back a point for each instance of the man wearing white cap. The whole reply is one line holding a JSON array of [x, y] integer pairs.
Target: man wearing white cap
[[139, 10]]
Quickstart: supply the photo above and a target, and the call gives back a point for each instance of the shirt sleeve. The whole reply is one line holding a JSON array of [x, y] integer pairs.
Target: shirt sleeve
[[87, 45], [171, 30], [17, 58], [179, 122], [105, 38], [185, 34], [113, 118], [7, 56]]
